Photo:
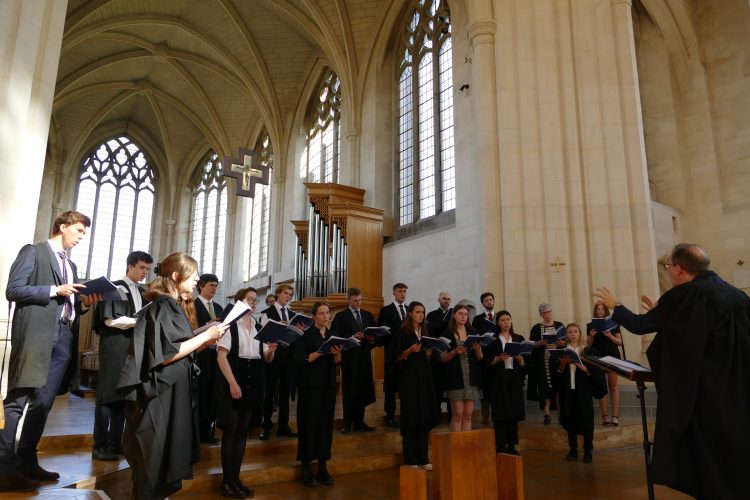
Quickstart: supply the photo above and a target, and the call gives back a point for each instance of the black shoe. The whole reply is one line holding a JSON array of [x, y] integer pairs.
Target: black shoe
[[572, 455], [346, 429], [307, 476], [286, 432], [547, 420], [36, 473], [78, 392], [323, 476], [363, 427], [230, 490], [265, 435], [209, 440], [104, 455], [587, 458], [17, 482], [117, 450], [392, 422], [513, 451], [249, 492]]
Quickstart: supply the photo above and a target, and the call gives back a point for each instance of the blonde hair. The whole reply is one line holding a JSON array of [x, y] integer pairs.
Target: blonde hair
[[581, 343], [185, 266]]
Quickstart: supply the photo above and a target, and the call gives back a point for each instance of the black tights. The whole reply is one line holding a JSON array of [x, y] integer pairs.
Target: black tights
[[233, 443]]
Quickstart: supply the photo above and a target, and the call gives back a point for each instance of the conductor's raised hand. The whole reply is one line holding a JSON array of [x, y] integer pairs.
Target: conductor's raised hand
[[606, 296], [648, 303]]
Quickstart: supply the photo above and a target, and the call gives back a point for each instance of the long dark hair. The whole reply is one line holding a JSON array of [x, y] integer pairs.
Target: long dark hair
[[409, 324], [497, 321]]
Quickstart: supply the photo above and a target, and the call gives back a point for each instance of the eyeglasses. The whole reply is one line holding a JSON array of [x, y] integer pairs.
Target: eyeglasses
[[667, 265], [251, 300]]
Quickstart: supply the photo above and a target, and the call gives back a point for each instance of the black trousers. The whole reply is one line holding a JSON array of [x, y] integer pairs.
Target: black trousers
[[414, 442], [40, 402], [109, 422], [278, 378], [506, 435], [588, 440]]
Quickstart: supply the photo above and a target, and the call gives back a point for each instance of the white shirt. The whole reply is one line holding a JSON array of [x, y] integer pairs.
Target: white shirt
[[398, 308], [248, 347], [56, 247], [126, 322], [264, 315], [206, 302], [509, 361]]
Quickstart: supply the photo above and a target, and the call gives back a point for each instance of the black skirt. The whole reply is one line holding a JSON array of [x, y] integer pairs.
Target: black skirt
[[250, 376]]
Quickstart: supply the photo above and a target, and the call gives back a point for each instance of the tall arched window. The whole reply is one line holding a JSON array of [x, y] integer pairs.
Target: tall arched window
[[324, 137], [259, 214], [209, 217], [426, 163], [116, 189]]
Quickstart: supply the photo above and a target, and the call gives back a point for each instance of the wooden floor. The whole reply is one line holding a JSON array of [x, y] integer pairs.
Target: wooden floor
[[617, 471]]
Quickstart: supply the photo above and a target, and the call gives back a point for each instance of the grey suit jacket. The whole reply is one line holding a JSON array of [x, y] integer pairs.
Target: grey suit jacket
[[36, 316]]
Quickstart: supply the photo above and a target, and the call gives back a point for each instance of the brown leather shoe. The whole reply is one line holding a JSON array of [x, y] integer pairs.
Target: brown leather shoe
[[17, 482]]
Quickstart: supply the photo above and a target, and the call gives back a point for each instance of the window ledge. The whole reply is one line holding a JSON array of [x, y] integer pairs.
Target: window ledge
[[436, 222]]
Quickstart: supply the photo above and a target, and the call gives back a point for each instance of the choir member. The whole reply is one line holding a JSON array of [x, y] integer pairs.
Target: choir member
[[607, 343], [575, 385], [418, 409], [437, 323], [463, 376], [316, 402], [161, 439], [241, 360], [206, 311], [540, 381], [392, 316], [480, 322], [506, 397]]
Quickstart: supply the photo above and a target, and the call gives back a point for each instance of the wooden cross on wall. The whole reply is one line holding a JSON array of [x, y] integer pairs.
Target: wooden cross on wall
[[247, 171]]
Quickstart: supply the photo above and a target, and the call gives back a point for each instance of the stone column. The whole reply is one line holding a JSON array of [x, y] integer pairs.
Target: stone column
[[484, 90], [30, 41]]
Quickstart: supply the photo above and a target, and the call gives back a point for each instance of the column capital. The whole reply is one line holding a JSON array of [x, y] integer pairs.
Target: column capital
[[482, 32]]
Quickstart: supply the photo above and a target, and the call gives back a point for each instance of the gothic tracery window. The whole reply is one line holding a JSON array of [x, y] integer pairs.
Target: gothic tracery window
[[259, 214], [426, 161], [323, 151], [116, 189], [208, 225]]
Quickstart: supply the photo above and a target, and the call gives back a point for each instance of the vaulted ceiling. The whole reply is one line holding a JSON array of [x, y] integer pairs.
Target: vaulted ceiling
[[186, 74]]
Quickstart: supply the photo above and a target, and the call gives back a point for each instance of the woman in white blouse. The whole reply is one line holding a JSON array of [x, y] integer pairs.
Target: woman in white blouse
[[241, 360]]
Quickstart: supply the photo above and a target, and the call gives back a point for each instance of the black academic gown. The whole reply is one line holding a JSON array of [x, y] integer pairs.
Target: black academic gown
[[357, 384], [316, 400], [415, 387], [699, 359], [161, 439], [436, 325], [209, 380], [506, 393], [113, 344], [538, 390], [576, 406]]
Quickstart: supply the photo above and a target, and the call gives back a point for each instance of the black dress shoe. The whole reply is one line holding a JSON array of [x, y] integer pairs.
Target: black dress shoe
[[392, 422], [307, 476], [231, 491], [587, 458], [36, 473], [209, 440], [287, 432], [249, 492], [572, 455], [78, 393], [104, 455], [325, 479], [363, 427], [17, 482], [346, 429], [265, 435]]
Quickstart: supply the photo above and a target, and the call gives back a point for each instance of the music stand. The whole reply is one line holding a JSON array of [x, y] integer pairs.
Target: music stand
[[640, 378]]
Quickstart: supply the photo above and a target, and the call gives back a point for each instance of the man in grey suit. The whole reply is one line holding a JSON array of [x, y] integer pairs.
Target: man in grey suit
[[42, 283]]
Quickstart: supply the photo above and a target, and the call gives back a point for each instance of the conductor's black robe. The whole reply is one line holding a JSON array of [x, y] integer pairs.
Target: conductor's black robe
[[700, 359], [160, 440]]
